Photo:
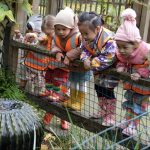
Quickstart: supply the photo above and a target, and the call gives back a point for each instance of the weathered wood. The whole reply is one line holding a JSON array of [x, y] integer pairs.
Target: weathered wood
[[84, 122], [126, 77], [35, 6], [79, 65], [147, 23], [21, 16], [53, 6], [142, 17], [6, 46], [32, 48]]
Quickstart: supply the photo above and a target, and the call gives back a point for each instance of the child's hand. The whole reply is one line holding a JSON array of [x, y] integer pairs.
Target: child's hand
[[66, 61], [120, 69], [87, 64], [59, 56], [30, 37], [135, 76], [17, 34], [95, 62]]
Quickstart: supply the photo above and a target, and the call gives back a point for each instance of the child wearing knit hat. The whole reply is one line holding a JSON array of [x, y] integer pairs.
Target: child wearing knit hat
[[66, 48], [132, 55]]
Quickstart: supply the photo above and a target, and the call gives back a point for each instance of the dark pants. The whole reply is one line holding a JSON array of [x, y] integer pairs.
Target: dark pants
[[105, 92]]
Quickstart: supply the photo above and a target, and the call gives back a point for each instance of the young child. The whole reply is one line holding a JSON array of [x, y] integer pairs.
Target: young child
[[98, 53], [66, 46], [132, 57], [31, 72], [46, 41]]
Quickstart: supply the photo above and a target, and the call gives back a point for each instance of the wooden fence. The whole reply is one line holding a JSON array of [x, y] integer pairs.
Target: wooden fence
[[109, 9], [11, 52]]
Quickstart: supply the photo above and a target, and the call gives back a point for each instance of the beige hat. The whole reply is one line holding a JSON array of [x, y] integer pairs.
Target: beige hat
[[67, 18]]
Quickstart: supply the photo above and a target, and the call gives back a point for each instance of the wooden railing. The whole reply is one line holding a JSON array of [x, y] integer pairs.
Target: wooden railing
[[11, 51]]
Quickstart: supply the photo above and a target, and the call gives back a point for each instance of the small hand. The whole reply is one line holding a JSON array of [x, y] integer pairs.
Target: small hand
[[41, 39], [87, 64], [17, 33], [59, 56], [120, 69], [66, 61], [135, 76], [95, 62]]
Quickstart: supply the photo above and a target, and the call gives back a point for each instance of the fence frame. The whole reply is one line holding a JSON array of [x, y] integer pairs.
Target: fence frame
[[11, 47]]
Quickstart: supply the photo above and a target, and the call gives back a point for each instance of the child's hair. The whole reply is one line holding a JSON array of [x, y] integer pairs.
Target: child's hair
[[48, 21], [128, 30], [34, 23], [92, 18]]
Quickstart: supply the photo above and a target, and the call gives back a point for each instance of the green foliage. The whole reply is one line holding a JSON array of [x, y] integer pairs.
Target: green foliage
[[27, 7], [8, 87], [6, 12]]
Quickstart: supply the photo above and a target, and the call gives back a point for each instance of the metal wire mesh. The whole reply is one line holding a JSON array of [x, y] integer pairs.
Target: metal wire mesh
[[109, 137]]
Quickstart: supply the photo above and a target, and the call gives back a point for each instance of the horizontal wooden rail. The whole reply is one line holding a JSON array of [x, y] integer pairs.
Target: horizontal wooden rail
[[84, 122], [78, 65]]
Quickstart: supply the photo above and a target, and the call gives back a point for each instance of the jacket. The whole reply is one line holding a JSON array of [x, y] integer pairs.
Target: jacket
[[101, 51], [137, 62]]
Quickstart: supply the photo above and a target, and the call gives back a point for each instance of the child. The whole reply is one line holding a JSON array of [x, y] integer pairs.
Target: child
[[48, 28], [99, 54], [132, 57], [31, 72], [66, 46], [46, 41]]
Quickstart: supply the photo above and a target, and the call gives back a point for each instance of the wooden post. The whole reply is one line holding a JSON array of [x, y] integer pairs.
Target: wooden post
[[35, 6], [54, 6], [21, 16], [147, 25], [143, 18], [6, 46]]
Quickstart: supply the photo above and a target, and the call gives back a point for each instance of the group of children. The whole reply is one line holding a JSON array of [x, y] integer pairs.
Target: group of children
[[68, 38]]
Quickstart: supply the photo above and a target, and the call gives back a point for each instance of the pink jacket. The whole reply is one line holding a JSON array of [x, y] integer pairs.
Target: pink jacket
[[138, 57]]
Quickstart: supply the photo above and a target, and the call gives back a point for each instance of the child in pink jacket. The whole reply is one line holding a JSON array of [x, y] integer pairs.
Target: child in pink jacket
[[132, 57]]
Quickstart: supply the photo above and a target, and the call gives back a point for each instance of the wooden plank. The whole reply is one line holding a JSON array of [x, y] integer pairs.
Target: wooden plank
[[6, 45], [84, 122], [35, 6], [79, 67], [125, 77], [27, 47], [138, 8], [53, 7], [147, 22]]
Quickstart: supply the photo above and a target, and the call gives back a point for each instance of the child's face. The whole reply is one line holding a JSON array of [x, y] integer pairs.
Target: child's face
[[62, 31], [88, 34], [126, 48], [49, 30]]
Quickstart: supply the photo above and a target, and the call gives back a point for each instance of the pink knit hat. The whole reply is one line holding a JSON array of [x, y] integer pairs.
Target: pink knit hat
[[128, 30]]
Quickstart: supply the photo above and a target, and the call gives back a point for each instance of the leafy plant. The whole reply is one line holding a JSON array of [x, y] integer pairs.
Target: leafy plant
[[5, 11], [8, 87]]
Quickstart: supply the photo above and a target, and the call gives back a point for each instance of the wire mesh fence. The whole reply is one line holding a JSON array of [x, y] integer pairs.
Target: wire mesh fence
[[109, 136], [51, 88], [110, 10]]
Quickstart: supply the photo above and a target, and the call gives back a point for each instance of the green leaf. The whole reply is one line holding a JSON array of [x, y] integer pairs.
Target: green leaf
[[27, 8], [2, 16], [9, 14], [3, 6]]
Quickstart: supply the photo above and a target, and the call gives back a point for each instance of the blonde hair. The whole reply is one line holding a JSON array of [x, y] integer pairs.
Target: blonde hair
[[48, 21]]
